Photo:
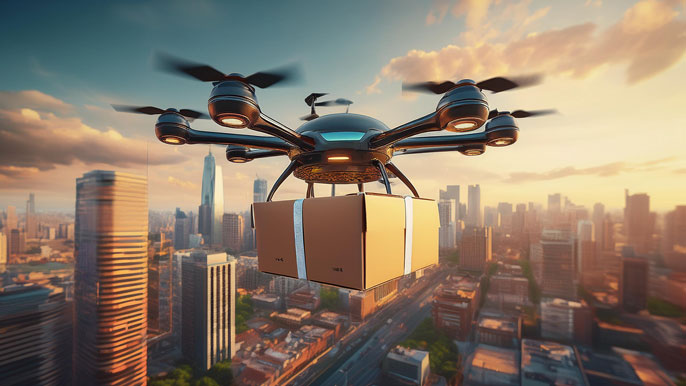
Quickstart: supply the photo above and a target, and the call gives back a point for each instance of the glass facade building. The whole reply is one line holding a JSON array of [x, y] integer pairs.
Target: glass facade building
[[212, 196], [111, 279]]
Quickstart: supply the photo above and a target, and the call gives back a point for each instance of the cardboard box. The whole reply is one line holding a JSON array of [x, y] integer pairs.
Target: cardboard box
[[355, 241]]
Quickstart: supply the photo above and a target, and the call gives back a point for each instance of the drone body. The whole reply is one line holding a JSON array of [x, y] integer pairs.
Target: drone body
[[339, 148]]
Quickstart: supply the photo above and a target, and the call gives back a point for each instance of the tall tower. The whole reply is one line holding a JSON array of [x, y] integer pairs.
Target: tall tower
[[212, 196], [208, 308], [110, 279], [260, 190], [474, 206], [638, 224], [31, 224]]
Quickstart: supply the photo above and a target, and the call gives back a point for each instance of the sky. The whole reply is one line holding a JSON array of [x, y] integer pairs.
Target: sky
[[614, 70]]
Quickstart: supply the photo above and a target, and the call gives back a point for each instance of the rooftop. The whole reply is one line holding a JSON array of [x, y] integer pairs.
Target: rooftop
[[404, 354], [506, 325], [545, 363], [491, 365]]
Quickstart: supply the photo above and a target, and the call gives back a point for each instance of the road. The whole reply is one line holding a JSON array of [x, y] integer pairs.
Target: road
[[410, 307]]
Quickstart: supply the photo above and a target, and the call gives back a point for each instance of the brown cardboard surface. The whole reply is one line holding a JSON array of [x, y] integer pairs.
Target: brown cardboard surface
[[425, 233], [274, 238], [385, 238], [334, 240]]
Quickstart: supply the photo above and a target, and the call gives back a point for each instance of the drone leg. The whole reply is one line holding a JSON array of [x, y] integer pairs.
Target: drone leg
[[394, 169], [333, 190], [281, 178], [384, 176], [310, 190], [360, 188]]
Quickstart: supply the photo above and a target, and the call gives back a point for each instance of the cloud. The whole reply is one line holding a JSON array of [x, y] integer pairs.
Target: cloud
[[181, 183], [605, 170], [33, 99], [33, 141], [680, 171], [373, 88], [649, 39]]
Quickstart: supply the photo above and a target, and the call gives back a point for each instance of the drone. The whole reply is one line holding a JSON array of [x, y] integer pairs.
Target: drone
[[339, 148]]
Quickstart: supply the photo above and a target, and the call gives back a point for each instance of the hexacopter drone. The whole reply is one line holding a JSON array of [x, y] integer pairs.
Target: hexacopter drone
[[342, 148]]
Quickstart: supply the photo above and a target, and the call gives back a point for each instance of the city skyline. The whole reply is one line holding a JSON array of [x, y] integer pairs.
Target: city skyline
[[553, 154]]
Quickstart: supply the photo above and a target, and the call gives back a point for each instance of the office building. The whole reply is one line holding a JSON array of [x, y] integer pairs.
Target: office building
[[3, 249], [452, 192], [110, 278], [16, 242], [566, 321], [507, 289], [11, 222], [446, 231], [633, 282], [546, 363], [182, 230], [455, 305], [598, 218], [499, 330], [491, 217], [304, 298], [638, 222], [407, 366], [675, 229], [31, 225], [208, 308], [233, 231], [211, 207], [260, 190], [505, 214], [586, 246], [34, 336], [160, 286], [557, 264], [492, 366], [476, 248], [474, 206]]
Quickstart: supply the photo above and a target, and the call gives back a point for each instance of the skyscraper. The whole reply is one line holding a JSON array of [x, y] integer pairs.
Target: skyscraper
[[233, 231], [491, 217], [160, 286], [558, 275], [638, 223], [554, 203], [476, 248], [31, 222], [633, 282], [34, 346], [260, 190], [182, 229], [505, 214], [474, 206], [110, 278], [598, 218], [3, 249], [213, 197], [452, 192], [586, 246], [11, 219], [675, 228], [446, 232], [208, 308]]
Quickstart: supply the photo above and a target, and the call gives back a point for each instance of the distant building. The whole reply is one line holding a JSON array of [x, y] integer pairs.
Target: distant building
[[549, 363], [16, 242], [452, 192], [3, 249], [476, 248], [491, 217], [638, 222], [293, 317], [566, 321], [407, 366], [633, 283], [505, 214], [211, 202], [333, 321], [501, 331], [260, 190], [11, 222], [586, 246], [110, 278], [492, 366], [182, 230], [557, 264], [364, 303], [455, 305], [266, 301], [160, 286], [283, 285], [31, 224], [446, 231], [474, 206], [208, 308], [304, 298], [233, 231], [508, 289], [35, 346]]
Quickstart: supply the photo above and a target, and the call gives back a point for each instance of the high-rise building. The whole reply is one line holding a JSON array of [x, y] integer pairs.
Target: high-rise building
[[260, 190], [633, 282], [34, 337], [208, 308], [11, 222], [586, 246], [182, 229], [554, 203], [566, 320], [557, 259], [110, 278], [675, 228], [476, 248], [455, 305], [638, 222], [505, 214], [31, 230], [3, 249], [16, 242], [160, 286], [452, 192], [233, 231], [598, 218], [446, 231], [213, 198], [474, 206], [491, 217]]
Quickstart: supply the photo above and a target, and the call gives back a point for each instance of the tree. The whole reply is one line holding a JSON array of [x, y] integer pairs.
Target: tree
[[443, 353], [244, 311], [205, 381], [329, 299], [221, 373]]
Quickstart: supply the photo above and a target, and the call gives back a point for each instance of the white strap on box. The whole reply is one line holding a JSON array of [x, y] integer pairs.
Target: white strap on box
[[408, 235], [299, 238]]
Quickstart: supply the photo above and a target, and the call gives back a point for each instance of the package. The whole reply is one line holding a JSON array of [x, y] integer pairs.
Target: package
[[356, 241]]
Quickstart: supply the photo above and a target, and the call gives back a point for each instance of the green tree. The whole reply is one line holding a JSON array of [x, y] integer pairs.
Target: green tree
[[534, 290], [329, 298], [244, 311], [221, 373], [443, 353], [205, 381]]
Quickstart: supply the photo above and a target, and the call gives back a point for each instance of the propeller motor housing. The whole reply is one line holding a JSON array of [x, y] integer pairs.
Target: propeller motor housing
[[172, 128], [233, 104], [502, 130], [462, 109]]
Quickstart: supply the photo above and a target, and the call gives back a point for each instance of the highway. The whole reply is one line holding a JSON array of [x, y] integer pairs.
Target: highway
[[371, 339]]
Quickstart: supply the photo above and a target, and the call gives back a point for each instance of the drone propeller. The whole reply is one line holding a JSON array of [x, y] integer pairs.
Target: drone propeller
[[495, 85], [206, 73], [521, 113], [150, 110], [335, 102]]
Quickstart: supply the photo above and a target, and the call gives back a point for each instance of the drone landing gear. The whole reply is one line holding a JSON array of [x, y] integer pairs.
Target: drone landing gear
[[360, 188], [310, 190], [281, 178], [394, 169], [384, 175]]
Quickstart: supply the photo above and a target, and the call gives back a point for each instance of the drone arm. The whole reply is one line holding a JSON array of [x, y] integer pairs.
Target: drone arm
[[255, 154], [426, 150], [270, 126], [443, 141], [422, 125], [252, 141]]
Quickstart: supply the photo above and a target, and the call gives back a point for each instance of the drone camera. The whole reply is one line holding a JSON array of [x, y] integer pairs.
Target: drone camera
[[237, 154], [462, 109], [502, 130], [233, 104]]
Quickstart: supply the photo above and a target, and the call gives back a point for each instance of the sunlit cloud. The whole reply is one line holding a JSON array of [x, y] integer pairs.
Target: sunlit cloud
[[33, 99], [181, 183]]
